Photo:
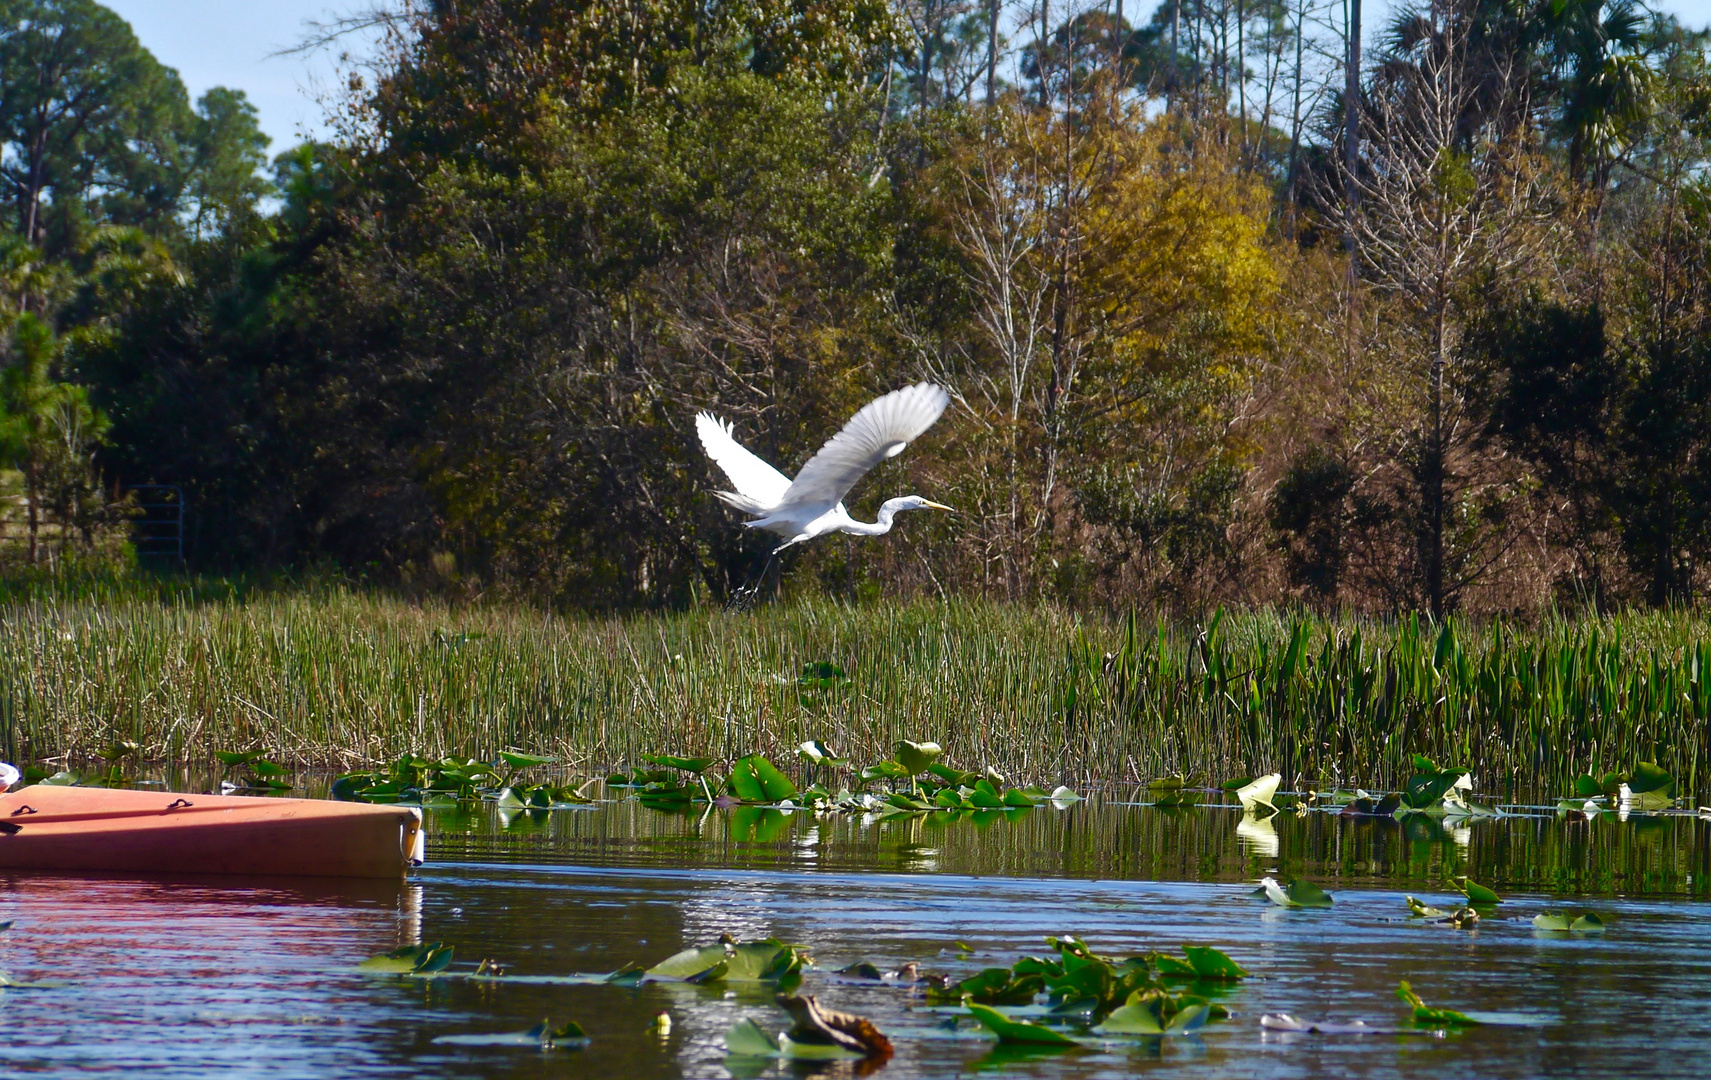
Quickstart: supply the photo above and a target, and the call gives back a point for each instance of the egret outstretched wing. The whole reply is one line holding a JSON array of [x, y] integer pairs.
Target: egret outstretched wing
[[755, 480], [880, 430]]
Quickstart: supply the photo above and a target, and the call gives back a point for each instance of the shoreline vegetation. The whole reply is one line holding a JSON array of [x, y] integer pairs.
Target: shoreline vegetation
[[337, 676]]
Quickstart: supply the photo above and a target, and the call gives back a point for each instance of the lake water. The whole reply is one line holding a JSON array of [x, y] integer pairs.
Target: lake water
[[191, 977]]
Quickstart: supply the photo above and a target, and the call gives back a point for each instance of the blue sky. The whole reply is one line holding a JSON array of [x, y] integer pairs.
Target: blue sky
[[229, 42]]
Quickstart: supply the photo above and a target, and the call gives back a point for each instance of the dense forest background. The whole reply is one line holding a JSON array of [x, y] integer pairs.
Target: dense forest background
[[1230, 311]]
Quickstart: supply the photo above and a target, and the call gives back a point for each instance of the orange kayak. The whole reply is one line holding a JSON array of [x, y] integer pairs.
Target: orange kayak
[[45, 827]]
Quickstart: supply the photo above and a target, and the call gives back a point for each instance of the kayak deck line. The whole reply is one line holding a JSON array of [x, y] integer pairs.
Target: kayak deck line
[[30, 815], [153, 832]]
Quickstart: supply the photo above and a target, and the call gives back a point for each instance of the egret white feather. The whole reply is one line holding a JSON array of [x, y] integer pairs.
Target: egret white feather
[[812, 504]]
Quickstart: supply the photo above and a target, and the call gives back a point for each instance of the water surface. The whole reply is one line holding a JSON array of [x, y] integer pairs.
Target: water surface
[[188, 977]]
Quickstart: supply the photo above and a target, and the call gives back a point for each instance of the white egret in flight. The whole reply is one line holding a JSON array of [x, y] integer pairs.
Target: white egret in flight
[[812, 504]]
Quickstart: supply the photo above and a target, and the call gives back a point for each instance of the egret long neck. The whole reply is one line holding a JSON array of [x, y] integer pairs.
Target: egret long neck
[[887, 514]]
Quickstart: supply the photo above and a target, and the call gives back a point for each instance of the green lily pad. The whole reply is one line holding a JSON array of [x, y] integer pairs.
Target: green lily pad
[[885, 770], [542, 1036], [690, 965], [915, 757], [1424, 910], [1588, 923], [1017, 1031], [1142, 1018], [695, 765], [426, 959], [761, 961], [1425, 1014], [525, 761], [1062, 798], [1476, 893], [1213, 964], [747, 1039], [1299, 893], [755, 779]]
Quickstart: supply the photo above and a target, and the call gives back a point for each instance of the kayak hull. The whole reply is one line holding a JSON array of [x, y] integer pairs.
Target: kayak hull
[[71, 829]]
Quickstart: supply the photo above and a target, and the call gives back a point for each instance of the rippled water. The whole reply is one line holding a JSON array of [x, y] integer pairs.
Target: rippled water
[[186, 977]]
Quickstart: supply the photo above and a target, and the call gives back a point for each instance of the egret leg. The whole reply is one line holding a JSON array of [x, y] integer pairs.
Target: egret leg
[[744, 598]]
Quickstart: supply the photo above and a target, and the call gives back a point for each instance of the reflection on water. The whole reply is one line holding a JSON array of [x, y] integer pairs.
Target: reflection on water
[[1654, 856], [188, 977]]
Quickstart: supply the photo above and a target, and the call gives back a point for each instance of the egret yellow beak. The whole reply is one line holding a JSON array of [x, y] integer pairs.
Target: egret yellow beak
[[935, 506]]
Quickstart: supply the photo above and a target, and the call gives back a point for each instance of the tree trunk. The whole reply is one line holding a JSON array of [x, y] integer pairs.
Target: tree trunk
[[1432, 473], [991, 51]]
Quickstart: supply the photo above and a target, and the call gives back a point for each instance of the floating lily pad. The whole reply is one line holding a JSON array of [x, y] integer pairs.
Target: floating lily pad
[[1285, 1022], [749, 961], [542, 1036], [1018, 1031], [755, 779], [1260, 791], [691, 965], [687, 764], [9, 983], [1299, 893], [429, 959], [1425, 1014], [747, 1039], [816, 752], [1477, 893], [1142, 1018], [525, 761], [1588, 923]]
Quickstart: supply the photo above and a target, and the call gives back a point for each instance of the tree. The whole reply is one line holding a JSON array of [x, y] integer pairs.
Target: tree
[[47, 431], [1116, 284], [227, 151], [85, 114], [1448, 190]]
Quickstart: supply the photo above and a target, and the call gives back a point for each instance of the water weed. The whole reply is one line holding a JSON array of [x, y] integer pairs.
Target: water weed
[[352, 680]]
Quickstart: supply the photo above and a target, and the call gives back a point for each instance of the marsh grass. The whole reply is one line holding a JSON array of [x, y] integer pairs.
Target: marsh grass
[[329, 675]]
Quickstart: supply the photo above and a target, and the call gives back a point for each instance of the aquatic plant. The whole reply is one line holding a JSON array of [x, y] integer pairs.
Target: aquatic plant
[[730, 961], [1139, 995], [346, 678], [1299, 893], [413, 779], [1588, 923], [430, 959], [543, 1036]]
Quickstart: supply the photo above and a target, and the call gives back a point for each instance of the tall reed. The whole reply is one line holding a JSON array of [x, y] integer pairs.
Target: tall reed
[[340, 677]]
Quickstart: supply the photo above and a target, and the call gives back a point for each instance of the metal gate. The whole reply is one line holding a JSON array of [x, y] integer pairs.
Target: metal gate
[[158, 529]]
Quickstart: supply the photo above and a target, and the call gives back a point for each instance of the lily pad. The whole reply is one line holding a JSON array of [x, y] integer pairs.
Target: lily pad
[[755, 779], [542, 1036], [816, 752], [1213, 964], [1299, 893], [1142, 1018], [525, 761], [1588, 923], [690, 965], [747, 1039], [1425, 1014], [1477, 893], [1018, 1031], [1260, 791], [429, 959], [695, 765], [915, 757]]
